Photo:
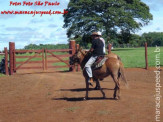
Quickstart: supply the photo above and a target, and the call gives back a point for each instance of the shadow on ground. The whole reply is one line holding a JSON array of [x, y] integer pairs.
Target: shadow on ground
[[82, 99], [82, 89]]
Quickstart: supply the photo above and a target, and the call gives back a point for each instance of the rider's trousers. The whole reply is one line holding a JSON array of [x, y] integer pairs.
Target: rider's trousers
[[89, 64]]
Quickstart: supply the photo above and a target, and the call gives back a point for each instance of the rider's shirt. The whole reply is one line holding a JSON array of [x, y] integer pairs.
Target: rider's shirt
[[98, 46]]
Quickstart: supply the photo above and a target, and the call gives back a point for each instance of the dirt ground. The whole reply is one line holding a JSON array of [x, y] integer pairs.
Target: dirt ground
[[58, 97]]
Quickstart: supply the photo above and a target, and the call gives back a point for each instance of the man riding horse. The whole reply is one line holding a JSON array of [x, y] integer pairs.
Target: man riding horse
[[97, 49]]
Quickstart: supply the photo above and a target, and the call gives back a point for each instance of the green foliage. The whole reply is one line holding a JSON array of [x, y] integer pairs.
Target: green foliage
[[108, 16], [2, 75], [153, 38], [135, 40], [47, 46]]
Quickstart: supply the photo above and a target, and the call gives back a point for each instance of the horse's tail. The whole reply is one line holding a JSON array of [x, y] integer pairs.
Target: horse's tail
[[122, 74]]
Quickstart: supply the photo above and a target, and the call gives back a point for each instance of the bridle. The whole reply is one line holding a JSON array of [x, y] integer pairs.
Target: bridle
[[76, 58], [82, 52]]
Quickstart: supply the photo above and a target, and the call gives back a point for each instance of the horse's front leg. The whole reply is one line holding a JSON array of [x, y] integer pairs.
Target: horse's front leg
[[99, 87], [87, 88]]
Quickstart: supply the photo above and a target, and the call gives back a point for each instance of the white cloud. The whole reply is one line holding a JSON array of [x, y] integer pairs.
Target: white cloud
[[18, 29]]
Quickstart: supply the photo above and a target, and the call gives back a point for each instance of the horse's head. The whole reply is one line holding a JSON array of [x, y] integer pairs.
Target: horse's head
[[78, 56]]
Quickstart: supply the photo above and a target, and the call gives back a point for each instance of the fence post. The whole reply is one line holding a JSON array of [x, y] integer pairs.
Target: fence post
[[46, 67], [11, 57], [72, 46], [43, 64], [109, 48], [146, 56], [78, 66], [6, 61], [14, 59]]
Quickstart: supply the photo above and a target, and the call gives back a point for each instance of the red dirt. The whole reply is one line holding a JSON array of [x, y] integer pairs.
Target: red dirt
[[57, 97]]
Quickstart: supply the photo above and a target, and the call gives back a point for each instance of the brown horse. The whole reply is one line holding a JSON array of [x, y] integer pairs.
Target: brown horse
[[110, 55], [112, 66]]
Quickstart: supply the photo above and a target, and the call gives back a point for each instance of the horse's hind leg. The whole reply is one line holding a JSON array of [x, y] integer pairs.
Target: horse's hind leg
[[117, 87], [97, 82]]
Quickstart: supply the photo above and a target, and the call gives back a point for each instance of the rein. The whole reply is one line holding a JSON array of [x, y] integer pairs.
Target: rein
[[82, 53], [82, 61]]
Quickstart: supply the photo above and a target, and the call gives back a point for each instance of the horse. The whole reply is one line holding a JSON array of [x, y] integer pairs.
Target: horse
[[109, 55], [112, 66]]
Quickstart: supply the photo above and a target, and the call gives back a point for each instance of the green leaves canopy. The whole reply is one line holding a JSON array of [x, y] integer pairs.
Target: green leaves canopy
[[109, 16], [153, 38]]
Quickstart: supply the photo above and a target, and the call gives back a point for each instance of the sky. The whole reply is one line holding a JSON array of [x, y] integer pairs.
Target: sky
[[48, 29]]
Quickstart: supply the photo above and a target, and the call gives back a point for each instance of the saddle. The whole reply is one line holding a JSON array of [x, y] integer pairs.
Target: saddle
[[99, 62]]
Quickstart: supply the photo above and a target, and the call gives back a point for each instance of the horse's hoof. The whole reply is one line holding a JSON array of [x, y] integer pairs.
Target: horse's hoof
[[85, 98], [116, 98], [96, 88]]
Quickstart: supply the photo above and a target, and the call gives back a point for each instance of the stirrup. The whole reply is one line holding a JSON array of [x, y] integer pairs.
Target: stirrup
[[90, 84]]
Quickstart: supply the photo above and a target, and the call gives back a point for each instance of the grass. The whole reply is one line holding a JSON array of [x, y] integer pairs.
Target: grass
[[36, 58], [1, 56], [28, 54], [1, 75], [135, 57], [61, 64]]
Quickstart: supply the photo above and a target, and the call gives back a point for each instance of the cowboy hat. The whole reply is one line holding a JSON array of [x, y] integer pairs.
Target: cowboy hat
[[96, 34]]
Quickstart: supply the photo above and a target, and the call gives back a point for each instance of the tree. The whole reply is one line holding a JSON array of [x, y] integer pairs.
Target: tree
[[109, 16], [47, 46], [153, 38], [135, 40], [30, 46]]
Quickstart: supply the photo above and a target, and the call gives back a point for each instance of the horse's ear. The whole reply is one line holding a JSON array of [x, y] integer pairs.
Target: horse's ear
[[80, 48], [77, 47], [83, 51]]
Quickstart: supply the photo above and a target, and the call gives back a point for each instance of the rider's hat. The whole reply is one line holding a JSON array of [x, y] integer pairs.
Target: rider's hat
[[96, 34]]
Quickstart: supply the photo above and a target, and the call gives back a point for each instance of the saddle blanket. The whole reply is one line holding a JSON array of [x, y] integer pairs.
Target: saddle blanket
[[99, 62]]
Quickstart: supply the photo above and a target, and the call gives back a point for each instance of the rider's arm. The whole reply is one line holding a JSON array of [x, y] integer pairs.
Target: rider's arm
[[93, 46], [91, 50]]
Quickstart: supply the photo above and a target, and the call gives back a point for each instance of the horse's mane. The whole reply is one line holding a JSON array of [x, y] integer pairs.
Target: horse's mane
[[86, 57]]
